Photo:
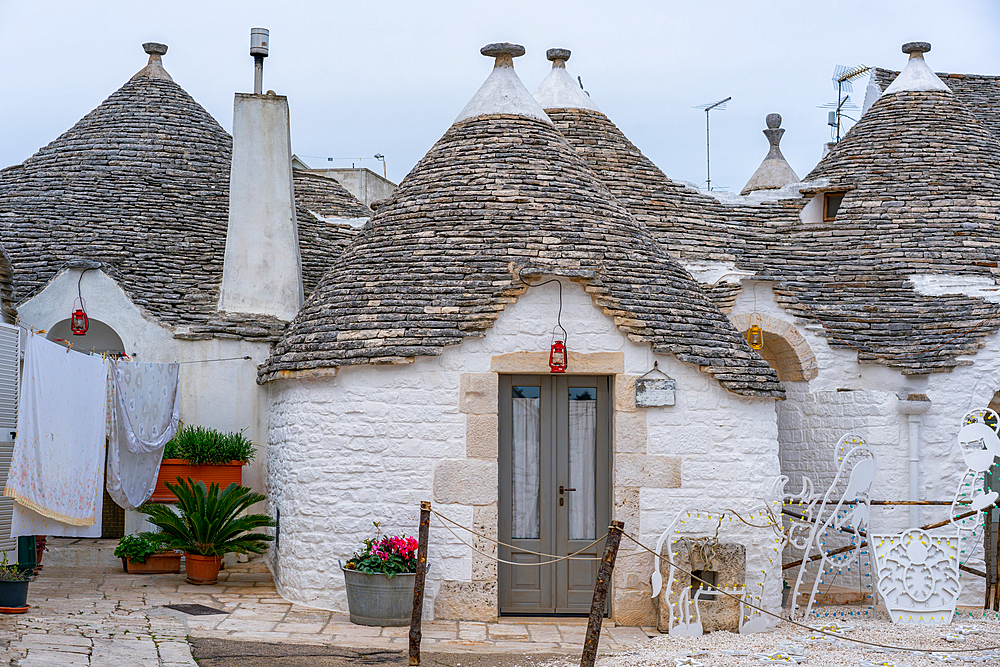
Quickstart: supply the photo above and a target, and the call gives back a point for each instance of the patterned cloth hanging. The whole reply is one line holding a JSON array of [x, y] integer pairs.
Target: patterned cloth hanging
[[59, 450], [147, 409]]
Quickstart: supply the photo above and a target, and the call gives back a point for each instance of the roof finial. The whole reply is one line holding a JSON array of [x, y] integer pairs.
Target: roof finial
[[774, 172], [916, 49], [154, 68], [558, 57], [504, 52], [916, 76]]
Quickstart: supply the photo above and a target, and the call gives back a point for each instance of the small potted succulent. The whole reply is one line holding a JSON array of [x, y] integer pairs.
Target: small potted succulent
[[141, 554], [380, 578], [207, 525], [13, 588], [202, 454]]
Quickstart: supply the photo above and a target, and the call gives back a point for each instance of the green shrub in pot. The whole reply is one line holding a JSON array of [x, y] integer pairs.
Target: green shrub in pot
[[200, 446]]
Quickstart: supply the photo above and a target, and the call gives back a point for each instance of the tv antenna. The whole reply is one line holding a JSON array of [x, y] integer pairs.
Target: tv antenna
[[721, 106], [843, 75]]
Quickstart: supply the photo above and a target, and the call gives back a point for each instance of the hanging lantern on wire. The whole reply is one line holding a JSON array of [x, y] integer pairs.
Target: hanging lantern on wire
[[558, 355], [755, 336], [79, 323]]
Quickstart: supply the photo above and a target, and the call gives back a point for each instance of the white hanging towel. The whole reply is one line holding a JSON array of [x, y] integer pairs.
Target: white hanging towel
[[147, 408], [58, 454]]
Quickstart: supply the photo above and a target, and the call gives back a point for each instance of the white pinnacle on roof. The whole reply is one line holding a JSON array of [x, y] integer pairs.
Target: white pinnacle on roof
[[774, 172], [916, 76], [154, 68], [559, 90], [503, 92]]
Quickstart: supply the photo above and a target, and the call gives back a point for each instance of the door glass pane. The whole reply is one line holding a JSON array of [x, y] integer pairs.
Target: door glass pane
[[525, 450], [582, 502]]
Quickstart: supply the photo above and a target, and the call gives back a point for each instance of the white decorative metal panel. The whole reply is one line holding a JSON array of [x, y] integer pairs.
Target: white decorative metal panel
[[918, 576], [10, 367]]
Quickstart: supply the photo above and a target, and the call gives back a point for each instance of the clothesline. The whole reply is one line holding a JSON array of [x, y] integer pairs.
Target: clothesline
[[69, 346]]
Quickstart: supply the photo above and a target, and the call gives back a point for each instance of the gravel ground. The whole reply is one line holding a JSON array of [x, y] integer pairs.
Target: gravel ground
[[722, 649]]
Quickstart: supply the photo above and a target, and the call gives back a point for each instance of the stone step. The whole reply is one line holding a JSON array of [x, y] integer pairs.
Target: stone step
[[80, 552]]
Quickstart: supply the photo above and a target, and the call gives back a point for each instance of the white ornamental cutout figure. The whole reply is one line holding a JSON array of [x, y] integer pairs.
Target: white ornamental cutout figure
[[918, 572]]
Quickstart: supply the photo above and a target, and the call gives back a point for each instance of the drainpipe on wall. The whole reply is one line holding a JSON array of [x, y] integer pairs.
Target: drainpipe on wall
[[914, 406]]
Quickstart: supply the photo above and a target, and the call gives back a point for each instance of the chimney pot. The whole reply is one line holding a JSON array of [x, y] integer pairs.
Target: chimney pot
[[153, 48], [916, 47]]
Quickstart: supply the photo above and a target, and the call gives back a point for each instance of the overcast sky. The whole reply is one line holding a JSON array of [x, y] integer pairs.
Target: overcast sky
[[389, 77]]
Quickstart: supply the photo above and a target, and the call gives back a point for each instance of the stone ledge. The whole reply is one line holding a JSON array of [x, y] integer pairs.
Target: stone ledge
[[579, 363]]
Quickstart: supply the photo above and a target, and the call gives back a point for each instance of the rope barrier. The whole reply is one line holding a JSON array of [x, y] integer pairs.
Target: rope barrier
[[803, 625], [555, 559]]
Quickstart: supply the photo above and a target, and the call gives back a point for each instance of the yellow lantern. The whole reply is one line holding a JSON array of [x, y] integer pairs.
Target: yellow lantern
[[755, 337]]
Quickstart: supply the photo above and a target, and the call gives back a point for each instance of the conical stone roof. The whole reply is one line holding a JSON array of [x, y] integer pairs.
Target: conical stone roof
[[502, 196], [141, 184], [921, 181]]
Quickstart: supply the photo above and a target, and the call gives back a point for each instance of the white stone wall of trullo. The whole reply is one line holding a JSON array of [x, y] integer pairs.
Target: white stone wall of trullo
[[847, 396], [372, 442]]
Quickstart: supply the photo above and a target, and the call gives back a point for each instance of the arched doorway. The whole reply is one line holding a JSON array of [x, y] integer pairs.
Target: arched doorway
[[100, 338]]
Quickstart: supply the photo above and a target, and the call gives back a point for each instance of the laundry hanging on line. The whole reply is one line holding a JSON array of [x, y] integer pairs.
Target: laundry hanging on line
[[58, 457], [146, 405]]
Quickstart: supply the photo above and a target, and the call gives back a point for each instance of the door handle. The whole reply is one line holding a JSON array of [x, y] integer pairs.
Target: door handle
[[563, 490]]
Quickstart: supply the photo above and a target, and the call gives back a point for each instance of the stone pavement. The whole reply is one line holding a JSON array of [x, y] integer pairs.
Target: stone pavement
[[104, 617]]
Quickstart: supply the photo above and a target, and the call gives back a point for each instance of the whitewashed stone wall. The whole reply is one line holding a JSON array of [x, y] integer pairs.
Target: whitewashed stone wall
[[372, 442], [848, 396]]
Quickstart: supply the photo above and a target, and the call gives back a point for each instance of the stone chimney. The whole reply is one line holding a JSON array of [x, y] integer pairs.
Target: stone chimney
[[774, 172], [262, 272]]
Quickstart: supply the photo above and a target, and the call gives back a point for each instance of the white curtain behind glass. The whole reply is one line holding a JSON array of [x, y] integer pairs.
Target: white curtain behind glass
[[525, 452], [582, 469]]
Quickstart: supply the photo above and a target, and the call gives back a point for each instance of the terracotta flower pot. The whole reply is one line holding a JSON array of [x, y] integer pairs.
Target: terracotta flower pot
[[163, 562], [202, 570], [170, 469]]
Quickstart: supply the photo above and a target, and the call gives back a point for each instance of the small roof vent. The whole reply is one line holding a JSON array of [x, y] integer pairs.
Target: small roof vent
[[259, 38]]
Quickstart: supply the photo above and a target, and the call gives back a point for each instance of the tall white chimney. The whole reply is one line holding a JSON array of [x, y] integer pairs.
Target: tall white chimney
[[262, 272]]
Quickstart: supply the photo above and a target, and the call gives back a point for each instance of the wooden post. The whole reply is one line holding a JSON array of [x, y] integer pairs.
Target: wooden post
[[418, 581], [601, 594]]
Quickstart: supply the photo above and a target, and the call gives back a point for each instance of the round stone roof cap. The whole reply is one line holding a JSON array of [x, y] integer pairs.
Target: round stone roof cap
[[916, 47], [154, 48], [498, 49], [557, 54], [773, 121]]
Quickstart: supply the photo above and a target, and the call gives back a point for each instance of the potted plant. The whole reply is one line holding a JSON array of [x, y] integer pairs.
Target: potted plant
[[380, 578], [13, 588], [141, 554], [204, 454], [207, 525]]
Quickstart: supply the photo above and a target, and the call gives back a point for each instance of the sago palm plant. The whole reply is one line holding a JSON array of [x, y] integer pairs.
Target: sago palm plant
[[209, 522]]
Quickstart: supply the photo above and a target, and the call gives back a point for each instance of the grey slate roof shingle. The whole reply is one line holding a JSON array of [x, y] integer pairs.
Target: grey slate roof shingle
[[922, 180], [500, 194], [141, 183], [6, 288], [981, 92]]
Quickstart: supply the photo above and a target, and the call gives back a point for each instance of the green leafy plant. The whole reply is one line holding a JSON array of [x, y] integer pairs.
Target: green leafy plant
[[12, 572], [136, 548], [209, 523], [390, 555], [200, 446]]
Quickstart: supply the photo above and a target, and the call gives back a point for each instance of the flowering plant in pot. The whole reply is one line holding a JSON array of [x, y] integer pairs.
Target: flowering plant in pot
[[207, 525], [204, 454], [379, 579], [141, 554], [13, 587]]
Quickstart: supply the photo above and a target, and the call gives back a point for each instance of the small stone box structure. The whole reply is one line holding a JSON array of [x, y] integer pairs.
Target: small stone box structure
[[723, 561]]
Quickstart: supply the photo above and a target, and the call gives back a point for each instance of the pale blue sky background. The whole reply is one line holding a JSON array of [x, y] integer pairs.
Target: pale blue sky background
[[390, 77]]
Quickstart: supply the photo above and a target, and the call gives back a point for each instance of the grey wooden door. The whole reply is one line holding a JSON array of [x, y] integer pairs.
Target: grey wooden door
[[555, 489]]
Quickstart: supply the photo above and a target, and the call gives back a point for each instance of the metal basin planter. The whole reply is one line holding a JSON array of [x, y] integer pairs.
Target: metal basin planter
[[376, 599]]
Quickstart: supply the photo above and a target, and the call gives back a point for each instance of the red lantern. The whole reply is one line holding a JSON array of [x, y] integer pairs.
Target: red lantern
[[79, 322], [558, 356]]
